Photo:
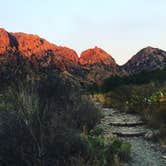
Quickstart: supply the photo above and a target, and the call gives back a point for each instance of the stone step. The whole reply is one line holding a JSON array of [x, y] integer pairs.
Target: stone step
[[129, 131], [122, 119], [163, 157], [129, 134], [122, 124], [108, 111], [127, 124]]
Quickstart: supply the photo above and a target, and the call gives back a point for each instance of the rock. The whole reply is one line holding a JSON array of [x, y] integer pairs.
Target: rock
[[93, 66], [29, 44], [43, 53], [129, 134], [123, 119], [33, 50], [151, 134], [69, 53], [99, 63], [122, 124], [5, 41], [147, 59], [127, 124], [128, 131], [163, 157], [96, 55]]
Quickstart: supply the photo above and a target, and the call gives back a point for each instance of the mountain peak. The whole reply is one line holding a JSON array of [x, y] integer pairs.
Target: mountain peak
[[31, 44], [96, 55], [147, 59], [147, 50], [4, 40]]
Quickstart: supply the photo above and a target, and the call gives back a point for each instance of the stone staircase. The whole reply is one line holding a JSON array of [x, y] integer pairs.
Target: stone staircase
[[122, 124], [130, 128]]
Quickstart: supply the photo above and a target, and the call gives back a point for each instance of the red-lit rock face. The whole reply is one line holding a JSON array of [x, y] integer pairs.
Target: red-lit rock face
[[28, 45], [68, 53], [100, 64], [94, 64], [95, 56], [4, 40]]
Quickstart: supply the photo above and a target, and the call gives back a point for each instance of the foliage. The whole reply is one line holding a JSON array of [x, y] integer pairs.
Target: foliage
[[43, 120], [149, 100], [135, 79], [86, 114], [103, 151], [46, 121], [125, 151]]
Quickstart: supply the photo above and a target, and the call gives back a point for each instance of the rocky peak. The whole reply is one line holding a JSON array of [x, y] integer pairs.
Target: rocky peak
[[69, 53], [29, 44], [94, 56], [4, 40], [94, 64], [146, 52], [147, 59], [99, 63]]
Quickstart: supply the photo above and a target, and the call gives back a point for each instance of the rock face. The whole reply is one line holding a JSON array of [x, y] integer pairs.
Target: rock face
[[94, 64], [94, 56], [99, 64], [6, 41], [28, 45], [36, 50], [148, 59]]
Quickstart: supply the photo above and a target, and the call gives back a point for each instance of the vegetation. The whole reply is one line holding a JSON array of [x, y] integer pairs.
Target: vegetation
[[135, 79], [143, 93], [47, 121]]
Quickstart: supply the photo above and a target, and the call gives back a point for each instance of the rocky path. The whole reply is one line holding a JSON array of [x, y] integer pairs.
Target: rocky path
[[132, 129]]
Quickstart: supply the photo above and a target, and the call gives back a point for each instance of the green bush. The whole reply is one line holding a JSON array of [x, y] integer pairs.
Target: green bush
[[107, 151], [86, 113], [96, 131], [125, 151]]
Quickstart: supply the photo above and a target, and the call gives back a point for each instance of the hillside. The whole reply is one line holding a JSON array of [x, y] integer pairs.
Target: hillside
[[147, 59], [93, 65]]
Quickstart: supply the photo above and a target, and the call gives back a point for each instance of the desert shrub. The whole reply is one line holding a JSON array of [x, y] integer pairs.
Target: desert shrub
[[53, 124], [49, 123], [120, 148], [125, 151], [133, 97], [86, 114], [141, 78], [156, 112], [16, 144], [106, 152], [96, 131]]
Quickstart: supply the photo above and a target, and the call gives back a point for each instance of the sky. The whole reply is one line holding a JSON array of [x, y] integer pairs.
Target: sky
[[120, 27]]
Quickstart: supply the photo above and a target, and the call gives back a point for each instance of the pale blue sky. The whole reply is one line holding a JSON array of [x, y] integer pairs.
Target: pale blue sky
[[121, 27]]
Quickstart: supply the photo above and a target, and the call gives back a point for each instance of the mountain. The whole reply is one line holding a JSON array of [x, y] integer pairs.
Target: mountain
[[96, 56], [18, 49], [29, 44], [93, 65], [147, 59], [98, 63]]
